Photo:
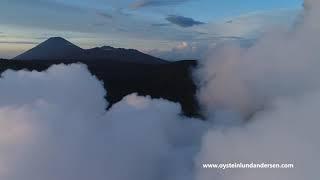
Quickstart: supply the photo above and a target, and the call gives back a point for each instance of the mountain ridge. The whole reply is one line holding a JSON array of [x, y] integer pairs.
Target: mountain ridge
[[58, 48]]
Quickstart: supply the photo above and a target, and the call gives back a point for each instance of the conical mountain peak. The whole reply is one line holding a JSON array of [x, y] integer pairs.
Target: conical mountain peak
[[55, 48]]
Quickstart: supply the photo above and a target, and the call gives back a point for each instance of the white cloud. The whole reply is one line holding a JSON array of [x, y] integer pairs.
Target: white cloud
[[285, 133], [54, 126], [268, 95]]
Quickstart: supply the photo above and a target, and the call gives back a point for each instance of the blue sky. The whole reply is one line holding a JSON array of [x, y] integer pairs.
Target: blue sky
[[148, 25]]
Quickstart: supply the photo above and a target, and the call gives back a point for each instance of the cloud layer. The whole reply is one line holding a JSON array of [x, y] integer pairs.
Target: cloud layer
[[263, 99], [54, 126]]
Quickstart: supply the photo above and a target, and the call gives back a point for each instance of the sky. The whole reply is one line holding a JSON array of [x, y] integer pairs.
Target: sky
[[158, 27]]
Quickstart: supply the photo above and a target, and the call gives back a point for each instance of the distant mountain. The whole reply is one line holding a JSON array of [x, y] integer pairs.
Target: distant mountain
[[119, 54], [57, 48]]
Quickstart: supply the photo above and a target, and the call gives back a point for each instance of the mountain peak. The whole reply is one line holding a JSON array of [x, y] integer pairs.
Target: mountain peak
[[54, 48], [56, 38], [57, 41], [107, 48]]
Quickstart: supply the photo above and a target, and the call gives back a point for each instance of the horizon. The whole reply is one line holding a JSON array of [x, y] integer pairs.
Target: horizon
[[159, 28], [62, 39]]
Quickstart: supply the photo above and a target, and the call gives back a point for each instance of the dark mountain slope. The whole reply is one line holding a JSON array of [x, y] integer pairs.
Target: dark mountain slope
[[120, 54], [171, 81]]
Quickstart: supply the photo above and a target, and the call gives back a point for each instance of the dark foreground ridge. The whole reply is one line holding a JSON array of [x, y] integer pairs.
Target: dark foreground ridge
[[172, 81]]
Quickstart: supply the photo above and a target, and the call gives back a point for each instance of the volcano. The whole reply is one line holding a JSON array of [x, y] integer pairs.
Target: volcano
[[57, 48]]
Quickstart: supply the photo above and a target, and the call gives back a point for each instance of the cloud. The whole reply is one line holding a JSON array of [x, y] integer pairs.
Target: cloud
[[275, 135], [2, 34], [17, 42], [183, 21], [198, 48], [105, 15], [146, 3], [160, 24], [58, 5], [263, 102], [183, 51], [273, 64], [53, 125], [243, 30], [251, 25]]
